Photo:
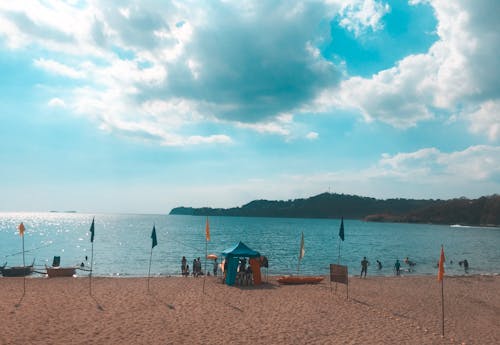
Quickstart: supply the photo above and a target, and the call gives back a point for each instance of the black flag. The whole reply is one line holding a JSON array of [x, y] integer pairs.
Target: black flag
[[153, 237], [341, 230], [92, 231]]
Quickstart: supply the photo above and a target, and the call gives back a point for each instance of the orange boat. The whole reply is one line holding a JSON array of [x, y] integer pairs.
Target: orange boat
[[300, 279]]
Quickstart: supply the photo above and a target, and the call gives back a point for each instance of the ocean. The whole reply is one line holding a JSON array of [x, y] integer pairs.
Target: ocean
[[122, 245]]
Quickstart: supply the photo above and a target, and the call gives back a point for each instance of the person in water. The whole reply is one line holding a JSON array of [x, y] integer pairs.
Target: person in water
[[364, 266], [379, 264], [466, 266], [397, 267]]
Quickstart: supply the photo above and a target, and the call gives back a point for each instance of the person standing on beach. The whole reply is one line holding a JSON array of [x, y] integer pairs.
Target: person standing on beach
[[397, 266], [364, 266], [183, 265]]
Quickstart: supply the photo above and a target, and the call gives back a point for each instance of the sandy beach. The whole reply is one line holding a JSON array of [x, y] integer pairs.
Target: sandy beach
[[405, 310]]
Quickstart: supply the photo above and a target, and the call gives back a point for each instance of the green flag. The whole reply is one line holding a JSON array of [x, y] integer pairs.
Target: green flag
[[341, 230], [153, 237], [92, 231]]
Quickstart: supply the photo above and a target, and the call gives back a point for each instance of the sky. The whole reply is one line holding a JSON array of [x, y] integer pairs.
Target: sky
[[141, 106]]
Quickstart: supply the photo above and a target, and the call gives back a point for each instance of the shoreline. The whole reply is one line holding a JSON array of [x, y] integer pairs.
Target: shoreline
[[39, 275], [380, 310]]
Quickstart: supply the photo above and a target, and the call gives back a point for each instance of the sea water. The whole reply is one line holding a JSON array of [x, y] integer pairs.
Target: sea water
[[122, 244]]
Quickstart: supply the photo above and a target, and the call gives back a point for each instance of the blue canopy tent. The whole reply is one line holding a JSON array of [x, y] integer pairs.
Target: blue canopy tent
[[233, 255]]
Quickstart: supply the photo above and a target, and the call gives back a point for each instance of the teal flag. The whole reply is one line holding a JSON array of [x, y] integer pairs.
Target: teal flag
[[341, 230], [92, 231], [153, 237]]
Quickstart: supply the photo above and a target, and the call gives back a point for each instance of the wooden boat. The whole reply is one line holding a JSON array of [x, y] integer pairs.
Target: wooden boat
[[16, 271], [300, 279], [53, 272]]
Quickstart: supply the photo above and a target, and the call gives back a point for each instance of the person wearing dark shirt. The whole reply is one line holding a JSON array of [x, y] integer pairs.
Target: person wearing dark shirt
[[364, 266]]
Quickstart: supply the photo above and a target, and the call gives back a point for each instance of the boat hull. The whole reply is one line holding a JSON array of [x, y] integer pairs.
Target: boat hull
[[300, 279], [20, 271], [54, 272]]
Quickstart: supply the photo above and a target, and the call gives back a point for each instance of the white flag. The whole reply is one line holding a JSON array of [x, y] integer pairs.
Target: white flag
[[302, 251]]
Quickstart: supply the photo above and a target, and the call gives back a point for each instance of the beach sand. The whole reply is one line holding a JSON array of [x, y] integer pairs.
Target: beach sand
[[391, 310]]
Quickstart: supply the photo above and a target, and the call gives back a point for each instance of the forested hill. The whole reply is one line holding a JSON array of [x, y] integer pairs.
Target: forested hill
[[482, 211]]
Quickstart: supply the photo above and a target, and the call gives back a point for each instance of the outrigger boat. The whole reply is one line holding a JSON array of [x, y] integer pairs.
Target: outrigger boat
[[57, 271], [53, 272], [17, 271]]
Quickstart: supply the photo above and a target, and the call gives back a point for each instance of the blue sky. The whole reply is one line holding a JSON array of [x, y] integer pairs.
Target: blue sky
[[141, 106]]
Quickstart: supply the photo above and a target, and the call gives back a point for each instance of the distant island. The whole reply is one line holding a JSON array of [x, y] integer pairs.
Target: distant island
[[484, 211]]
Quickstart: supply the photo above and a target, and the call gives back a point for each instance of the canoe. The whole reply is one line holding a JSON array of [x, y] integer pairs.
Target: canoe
[[300, 279], [53, 272], [16, 271]]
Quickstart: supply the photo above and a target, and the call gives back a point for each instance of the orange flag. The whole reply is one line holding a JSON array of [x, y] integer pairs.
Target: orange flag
[[207, 231], [441, 265], [21, 229]]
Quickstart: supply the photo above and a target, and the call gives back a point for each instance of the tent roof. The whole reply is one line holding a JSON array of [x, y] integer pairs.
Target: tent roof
[[241, 249]]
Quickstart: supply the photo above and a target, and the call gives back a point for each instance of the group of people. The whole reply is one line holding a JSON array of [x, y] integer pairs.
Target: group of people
[[197, 271], [244, 276], [397, 266], [465, 264]]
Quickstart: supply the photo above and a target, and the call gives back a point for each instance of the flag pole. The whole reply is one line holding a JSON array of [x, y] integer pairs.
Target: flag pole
[[441, 279], [442, 307], [91, 265], [154, 242], [205, 273], [341, 239], [338, 258], [92, 229], [24, 265], [207, 238], [149, 270]]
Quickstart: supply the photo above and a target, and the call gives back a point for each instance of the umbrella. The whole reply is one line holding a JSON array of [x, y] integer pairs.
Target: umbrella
[[211, 257]]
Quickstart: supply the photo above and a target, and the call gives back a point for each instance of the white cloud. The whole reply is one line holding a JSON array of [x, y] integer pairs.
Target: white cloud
[[475, 163], [358, 16], [215, 63], [312, 135], [173, 65], [282, 125], [487, 119], [458, 75], [426, 173], [58, 68], [56, 102]]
